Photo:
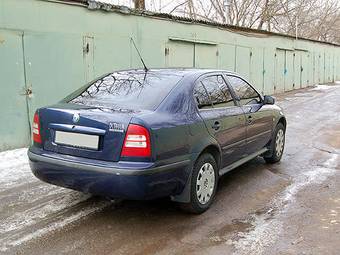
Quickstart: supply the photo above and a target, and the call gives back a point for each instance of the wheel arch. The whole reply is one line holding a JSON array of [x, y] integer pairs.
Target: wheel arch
[[283, 121], [215, 151]]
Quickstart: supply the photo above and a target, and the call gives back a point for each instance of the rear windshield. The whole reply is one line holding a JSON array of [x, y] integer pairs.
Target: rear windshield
[[127, 90]]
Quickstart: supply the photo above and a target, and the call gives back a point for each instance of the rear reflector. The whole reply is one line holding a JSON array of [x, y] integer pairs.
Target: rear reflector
[[36, 129], [137, 142]]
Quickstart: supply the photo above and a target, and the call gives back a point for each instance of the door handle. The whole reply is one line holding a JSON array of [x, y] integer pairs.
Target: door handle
[[216, 125], [27, 92], [250, 120]]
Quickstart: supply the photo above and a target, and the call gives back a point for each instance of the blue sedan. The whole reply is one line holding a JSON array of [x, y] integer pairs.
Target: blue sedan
[[144, 134]]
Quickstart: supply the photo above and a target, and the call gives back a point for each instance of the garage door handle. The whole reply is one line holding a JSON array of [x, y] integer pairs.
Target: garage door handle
[[216, 125], [250, 120]]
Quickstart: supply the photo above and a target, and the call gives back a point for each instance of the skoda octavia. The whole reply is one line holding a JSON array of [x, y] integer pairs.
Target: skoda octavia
[[145, 134]]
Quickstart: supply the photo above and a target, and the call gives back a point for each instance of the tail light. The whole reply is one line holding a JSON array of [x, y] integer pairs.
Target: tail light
[[36, 129], [136, 142]]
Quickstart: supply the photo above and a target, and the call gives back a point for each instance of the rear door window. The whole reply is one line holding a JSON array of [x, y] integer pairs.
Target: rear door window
[[213, 92], [134, 89], [201, 96]]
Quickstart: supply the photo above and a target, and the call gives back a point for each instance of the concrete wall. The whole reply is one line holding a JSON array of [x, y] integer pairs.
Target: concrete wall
[[53, 48]]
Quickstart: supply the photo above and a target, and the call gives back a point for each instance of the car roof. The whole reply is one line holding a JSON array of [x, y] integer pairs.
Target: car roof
[[181, 71]]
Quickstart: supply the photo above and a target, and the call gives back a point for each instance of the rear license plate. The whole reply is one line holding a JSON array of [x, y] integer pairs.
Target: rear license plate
[[77, 140]]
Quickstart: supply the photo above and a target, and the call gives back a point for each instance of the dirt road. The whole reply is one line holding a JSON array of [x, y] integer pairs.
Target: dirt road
[[287, 208]]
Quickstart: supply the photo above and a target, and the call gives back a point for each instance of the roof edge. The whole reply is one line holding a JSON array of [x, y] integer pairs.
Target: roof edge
[[97, 5]]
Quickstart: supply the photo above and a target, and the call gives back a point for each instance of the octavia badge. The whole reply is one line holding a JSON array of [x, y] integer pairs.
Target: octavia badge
[[76, 117]]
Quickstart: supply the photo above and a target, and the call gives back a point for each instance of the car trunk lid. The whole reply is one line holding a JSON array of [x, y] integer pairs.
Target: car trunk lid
[[83, 131]]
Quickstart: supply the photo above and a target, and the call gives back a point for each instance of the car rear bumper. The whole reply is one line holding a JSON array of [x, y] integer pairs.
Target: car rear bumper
[[130, 180]]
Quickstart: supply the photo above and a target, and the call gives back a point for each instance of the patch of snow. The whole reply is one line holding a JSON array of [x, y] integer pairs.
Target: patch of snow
[[12, 158], [262, 236], [14, 168], [20, 220], [38, 208], [324, 87], [290, 98], [315, 176], [54, 226]]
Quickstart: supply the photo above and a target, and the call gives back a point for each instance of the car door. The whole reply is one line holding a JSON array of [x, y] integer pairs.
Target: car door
[[258, 117], [222, 117]]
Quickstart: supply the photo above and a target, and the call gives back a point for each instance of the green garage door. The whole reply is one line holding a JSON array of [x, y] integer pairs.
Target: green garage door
[[14, 128], [297, 69], [56, 66], [243, 60], [289, 73], [304, 69], [191, 54], [280, 71], [227, 57], [205, 56], [180, 54]]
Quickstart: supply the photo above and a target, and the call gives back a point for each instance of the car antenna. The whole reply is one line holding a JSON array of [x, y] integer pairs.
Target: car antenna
[[140, 56]]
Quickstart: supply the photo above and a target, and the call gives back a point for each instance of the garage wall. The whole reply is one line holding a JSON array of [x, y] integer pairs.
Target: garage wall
[[49, 49]]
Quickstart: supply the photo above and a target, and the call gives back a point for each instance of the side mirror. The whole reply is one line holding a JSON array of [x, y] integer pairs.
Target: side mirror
[[269, 100]]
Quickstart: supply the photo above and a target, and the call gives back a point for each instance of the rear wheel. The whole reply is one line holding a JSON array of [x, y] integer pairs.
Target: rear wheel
[[277, 145], [203, 184]]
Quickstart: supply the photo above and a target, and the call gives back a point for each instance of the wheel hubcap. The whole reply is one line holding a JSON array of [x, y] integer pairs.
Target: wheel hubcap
[[205, 183], [279, 142]]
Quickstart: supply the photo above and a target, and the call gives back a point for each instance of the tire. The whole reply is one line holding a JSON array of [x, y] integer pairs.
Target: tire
[[203, 185], [276, 146]]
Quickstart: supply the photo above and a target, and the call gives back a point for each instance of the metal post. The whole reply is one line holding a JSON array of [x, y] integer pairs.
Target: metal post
[[296, 27]]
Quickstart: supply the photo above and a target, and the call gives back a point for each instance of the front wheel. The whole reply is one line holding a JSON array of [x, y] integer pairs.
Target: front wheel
[[203, 184], [277, 145]]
